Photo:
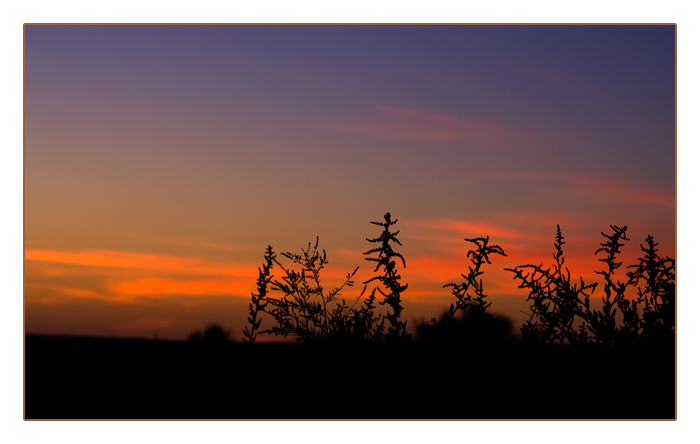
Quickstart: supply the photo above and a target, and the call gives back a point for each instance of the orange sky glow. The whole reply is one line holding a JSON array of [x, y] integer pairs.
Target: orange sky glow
[[161, 161]]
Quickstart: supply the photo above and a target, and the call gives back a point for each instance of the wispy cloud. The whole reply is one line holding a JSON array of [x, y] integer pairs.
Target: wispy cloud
[[595, 188], [414, 125], [129, 277], [142, 261], [151, 287], [470, 228]]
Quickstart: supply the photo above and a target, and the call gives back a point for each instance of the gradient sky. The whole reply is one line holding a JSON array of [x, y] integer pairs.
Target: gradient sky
[[160, 161]]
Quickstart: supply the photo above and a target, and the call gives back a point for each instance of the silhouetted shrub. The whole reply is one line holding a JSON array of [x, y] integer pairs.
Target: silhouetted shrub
[[305, 311], [658, 322], [558, 305], [556, 302], [655, 299], [476, 324], [603, 324], [308, 313]]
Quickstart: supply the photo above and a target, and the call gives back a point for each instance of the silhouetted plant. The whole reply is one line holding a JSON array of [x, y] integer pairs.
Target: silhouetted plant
[[478, 257], [306, 311], [556, 302], [656, 299], [258, 301], [364, 324], [476, 324], [603, 324], [658, 293], [560, 311], [389, 279]]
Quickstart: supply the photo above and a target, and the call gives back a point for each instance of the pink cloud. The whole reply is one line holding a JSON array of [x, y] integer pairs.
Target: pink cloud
[[410, 124], [451, 231], [589, 187]]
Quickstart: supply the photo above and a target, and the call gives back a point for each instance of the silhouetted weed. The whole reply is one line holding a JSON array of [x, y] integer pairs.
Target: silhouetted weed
[[658, 293], [479, 257], [476, 325], [305, 311], [602, 324], [555, 301], [258, 301], [557, 305], [389, 279], [560, 310]]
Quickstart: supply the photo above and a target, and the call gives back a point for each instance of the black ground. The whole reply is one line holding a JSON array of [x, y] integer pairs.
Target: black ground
[[93, 378]]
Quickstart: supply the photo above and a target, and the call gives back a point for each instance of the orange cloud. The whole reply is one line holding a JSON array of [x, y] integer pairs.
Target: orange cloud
[[126, 277], [169, 287], [141, 261], [129, 277]]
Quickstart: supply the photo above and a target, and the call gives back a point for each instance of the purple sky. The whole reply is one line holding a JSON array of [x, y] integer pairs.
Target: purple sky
[[160, 161]]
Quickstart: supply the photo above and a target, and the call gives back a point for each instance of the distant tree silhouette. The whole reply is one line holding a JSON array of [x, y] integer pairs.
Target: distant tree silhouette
[[389, 278], [214, 333], [473, 327]]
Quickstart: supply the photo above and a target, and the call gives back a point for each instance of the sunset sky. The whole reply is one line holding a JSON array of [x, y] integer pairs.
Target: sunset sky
[[161, 161]]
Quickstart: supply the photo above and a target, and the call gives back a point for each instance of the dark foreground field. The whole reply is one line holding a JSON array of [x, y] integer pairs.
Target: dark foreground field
[[91, 378]]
